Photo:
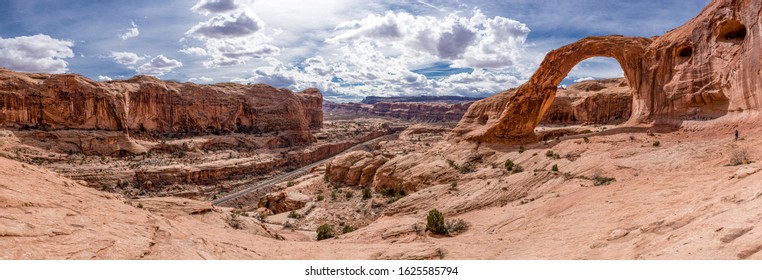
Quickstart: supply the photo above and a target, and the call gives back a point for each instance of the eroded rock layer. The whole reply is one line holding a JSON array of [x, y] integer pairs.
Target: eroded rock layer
[[148, 105], [411, 111], [705, 69]]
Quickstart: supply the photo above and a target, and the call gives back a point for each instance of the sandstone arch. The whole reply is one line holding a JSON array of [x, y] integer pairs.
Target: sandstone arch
[[511, 116], [706, 70]]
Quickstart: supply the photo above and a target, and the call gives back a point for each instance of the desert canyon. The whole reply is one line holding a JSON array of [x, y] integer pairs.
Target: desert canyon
[[641, 167]]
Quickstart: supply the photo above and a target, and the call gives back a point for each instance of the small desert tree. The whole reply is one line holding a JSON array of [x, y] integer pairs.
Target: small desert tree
[[324, 231], [435, 222]]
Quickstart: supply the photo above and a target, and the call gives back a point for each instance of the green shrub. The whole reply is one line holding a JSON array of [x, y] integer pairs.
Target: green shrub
[[521, 149], [509, 165], [454, 186], [349, 194], [555, 168], [435, 222], [348, 229], [294, 215], [366, 194], [657, 144], [324, 231], [552, 154], [587, 140]]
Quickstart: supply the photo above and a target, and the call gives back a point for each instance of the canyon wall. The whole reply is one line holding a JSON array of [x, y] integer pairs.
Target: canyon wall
[[146, 105]]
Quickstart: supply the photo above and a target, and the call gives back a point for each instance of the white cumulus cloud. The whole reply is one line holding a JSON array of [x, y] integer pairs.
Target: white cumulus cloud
[[38, 53], [475, 41], [158, 66], [131, 33], [205, 7], [194, 51], [126, 58], [201, 80], [232, 36], [584, 79], [104, 78]]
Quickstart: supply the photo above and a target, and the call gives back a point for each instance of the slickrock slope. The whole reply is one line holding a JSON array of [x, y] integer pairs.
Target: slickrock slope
[[145, 104], [705, 69]]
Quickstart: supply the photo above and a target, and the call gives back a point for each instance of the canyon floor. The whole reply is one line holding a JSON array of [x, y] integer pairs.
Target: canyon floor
[[619, 193]]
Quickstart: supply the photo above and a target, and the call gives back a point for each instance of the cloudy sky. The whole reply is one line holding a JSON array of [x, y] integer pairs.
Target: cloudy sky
[[347, 49]]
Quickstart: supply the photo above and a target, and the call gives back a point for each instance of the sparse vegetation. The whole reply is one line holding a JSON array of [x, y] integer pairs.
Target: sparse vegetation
[[295, 215], [466, 168], [521, 149], [554, 168], [319, 198], [349, 195], [435, 222], [602, 181], [366, 194], [587, 140], [290, 184], [456, 226], [348, 229], [234, 221], [441, 253], [140, 205], [452, 164], [739, 156], [509, 165], [463, 169], [656, 144], [552, 154], [454, 186], [324, 231], [586, 131], [518, 168]]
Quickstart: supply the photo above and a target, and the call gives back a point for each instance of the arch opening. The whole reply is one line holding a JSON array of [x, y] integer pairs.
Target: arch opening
[[594, 92]]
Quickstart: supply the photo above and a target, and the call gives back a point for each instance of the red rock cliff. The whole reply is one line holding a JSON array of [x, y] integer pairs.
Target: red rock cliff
[[149, 105]]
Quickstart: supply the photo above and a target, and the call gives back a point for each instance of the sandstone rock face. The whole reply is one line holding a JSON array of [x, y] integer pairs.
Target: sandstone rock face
[[145, 104], [312, 102], [602, 101], [705, 69], [283, 201], [354, 168], [413, 172], [413, 111]]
